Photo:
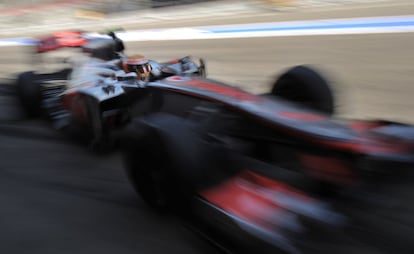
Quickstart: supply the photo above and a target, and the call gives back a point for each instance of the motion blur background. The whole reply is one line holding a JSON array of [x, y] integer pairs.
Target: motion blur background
[[23, 12]]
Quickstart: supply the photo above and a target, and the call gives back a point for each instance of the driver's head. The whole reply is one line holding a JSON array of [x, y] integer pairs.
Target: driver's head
[[138, 64]]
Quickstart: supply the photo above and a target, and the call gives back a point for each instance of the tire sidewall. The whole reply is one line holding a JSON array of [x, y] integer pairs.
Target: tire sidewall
[[305, 82], [151, 147], [29, 93]]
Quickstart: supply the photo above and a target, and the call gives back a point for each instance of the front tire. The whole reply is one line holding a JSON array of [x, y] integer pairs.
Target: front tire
[[305, 86], [162, 161]]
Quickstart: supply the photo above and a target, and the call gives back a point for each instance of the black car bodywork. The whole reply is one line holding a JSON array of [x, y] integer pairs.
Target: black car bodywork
[[258, 173]]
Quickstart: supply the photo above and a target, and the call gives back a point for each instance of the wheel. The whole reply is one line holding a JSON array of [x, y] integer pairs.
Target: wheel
[[31, 89], [305, 86], [162, 161], [29, 93]]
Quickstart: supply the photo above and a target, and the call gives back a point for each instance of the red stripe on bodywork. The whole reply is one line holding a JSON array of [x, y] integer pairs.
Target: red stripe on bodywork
[[302, 116], [367, 146], [249, 197], [220, 89], [174, 61], [365, 125], [328, 169]]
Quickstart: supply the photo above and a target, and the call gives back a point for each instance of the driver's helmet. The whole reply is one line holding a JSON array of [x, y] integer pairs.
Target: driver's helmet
[[138, 64]]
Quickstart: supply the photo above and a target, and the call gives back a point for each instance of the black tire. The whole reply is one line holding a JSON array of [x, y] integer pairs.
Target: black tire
[[162, 161], [29, 93], [305, 86]]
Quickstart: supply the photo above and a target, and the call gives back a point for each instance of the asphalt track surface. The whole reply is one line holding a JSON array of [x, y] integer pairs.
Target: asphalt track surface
[[57, 197]]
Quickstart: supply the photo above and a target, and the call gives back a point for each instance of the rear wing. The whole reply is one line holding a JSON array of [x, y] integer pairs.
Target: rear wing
[[75, 38], [60, 40]]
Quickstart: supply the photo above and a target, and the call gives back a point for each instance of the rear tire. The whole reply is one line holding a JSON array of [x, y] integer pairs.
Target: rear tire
[[29, 93], [305, 86]]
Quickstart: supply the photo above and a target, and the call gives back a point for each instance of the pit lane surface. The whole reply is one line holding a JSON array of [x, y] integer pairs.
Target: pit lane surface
[[56, 197]]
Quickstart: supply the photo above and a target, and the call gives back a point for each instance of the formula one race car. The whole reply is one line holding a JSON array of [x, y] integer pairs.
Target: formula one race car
[[96, 92], [105, 45], [252, 173], [273, 172]]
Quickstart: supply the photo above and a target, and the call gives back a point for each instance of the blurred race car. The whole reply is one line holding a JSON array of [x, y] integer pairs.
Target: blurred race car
[[252, 173], [97, 91], [274, 172], [105, 44]]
